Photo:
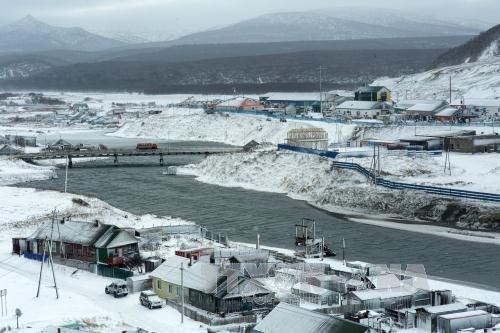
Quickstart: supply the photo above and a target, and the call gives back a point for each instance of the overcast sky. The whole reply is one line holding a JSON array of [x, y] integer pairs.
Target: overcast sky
[[193, 15]]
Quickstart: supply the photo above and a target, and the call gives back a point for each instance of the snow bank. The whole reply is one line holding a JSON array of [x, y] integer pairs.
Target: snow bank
[[16, 171], [315, 180], [237, 129], [24, 208]]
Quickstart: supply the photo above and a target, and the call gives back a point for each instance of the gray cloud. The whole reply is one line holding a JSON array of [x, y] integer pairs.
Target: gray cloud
[[192, 15]]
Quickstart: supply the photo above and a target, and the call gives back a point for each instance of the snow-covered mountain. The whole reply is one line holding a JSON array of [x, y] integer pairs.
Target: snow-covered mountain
[[480, 79], [31, 35], [327, 25], [474, 69], [484, 46]]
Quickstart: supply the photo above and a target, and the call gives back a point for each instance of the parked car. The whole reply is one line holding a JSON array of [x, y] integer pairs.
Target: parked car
[[117, 289], [149, 299]]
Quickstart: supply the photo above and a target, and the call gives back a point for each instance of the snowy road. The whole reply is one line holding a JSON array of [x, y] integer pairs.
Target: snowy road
[[82, 298]]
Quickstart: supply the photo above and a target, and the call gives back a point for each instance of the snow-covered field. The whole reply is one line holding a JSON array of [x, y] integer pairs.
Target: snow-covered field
[[189, 124], [473, 80]]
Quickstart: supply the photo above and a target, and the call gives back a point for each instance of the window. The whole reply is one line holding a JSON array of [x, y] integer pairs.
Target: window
[[158, 284], [178, 291], [170, 289]]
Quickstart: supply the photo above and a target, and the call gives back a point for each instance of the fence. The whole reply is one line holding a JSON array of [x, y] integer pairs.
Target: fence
[[113, 272], [36, 256], [212, 319], [449, 192], [187, 229]]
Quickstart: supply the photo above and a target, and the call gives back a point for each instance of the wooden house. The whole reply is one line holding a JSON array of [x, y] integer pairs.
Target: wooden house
[[92, 242], [206, 286]]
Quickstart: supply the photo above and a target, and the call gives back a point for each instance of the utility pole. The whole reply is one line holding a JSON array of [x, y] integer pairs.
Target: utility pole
[[343, 250], [66, 176], [447, 162], [182, 292], [321, 89], [450, 89], [48, 247]]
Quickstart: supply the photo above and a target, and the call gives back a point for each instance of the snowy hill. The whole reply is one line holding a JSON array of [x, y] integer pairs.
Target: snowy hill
[[30, 34], [484, 46], [480, 79], [327, 25]]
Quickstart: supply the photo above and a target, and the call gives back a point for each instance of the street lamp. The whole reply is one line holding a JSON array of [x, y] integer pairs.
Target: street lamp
[[18, 314]]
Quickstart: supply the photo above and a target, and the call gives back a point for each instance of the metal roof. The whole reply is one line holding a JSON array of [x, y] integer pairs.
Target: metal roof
[[74, 232], [286, 318], [445, 308], [385, 281], [359, 105], [199, 276], [246, 288], [465, 314], [115, 237]]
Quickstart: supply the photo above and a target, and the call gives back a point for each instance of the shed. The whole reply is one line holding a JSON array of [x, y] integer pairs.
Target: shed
[[451, 323], [139, 283], [8, 150], [61, 144], [426, 143], [384, 281], [315, 295], [474, 144], [382, 298], [286, 318], [426, 318], [250, 146]]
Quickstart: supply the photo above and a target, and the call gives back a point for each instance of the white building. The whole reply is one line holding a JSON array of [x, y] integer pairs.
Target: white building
[[362, 109]]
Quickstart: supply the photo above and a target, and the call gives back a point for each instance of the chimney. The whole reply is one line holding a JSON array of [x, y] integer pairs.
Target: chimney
[[257, 246]]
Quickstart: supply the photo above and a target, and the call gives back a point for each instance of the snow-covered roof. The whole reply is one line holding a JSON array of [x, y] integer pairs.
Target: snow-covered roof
[[369, 294], [427, 107], [199, 276], [408, 103], [247, 287], [292, 97], [445, 308], [84, 233], [385, 281], [310, 289], [237, 102], [286, 318], [448, 112], [466, 314], [359, 105], [114, 238]]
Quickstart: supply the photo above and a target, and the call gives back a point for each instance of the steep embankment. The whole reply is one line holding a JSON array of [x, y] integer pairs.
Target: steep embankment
[[314, 179], [186, 124]]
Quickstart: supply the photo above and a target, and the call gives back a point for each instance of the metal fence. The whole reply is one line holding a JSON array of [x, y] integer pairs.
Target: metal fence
[[188, 229], [449, 192], [113, 272]]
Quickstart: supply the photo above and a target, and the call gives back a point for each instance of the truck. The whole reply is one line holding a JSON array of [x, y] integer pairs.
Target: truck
[[146, 146]]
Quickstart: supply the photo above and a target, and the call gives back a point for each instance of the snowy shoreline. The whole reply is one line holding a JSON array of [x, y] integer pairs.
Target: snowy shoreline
[[310, 187]]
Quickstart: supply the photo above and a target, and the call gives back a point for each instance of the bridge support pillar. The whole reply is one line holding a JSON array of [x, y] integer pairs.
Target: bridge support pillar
[[70, 161], [161, 159], [115, 162]]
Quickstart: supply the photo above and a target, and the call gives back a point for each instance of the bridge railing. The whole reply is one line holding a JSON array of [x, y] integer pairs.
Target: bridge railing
[[442, 191]]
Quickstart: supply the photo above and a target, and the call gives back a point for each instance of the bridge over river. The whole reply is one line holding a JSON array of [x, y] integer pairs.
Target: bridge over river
[[124, 152]]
